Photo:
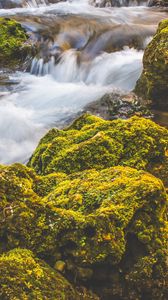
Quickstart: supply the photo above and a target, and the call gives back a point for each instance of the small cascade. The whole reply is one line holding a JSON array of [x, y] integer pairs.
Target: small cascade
[[36, 3]]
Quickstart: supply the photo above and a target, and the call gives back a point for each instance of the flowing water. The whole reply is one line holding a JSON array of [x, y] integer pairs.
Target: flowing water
[[83, 52]]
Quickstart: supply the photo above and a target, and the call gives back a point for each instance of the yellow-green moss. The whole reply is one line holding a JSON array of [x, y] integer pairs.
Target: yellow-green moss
[[23, 277], [13, 43], [100, 144], [153, 81]]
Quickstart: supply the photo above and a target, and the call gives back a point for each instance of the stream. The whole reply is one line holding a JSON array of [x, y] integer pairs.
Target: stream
[[84, 53]]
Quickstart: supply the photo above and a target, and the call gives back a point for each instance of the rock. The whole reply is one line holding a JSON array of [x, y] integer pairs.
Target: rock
[[113, 106], [14, 44], [23, 276], [91, 142], [159, 3], [107, 224], [152, 84], [60, 266], [114, 3], [84, 274]]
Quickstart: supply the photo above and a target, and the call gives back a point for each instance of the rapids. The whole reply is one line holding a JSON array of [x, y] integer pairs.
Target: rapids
[[83, 52]]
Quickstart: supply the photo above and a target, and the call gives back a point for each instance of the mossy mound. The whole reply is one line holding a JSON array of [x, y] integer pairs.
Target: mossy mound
[[152, 84], [14, 46], [97, 222], [91, 142], [22, 276]]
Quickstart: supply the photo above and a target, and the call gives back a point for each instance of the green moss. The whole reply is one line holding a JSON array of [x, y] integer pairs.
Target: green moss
[[136, 142], [22, 276], [152, 84], [13, 42]]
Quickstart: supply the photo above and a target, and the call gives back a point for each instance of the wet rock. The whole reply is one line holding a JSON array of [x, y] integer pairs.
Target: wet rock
[[12, 3], [113, 106], [115, 3], [159, 3], [152, 84]]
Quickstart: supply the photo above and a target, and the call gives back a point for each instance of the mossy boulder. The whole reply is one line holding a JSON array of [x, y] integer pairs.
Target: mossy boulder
[[91, 142], [152, 84], [23, 276], [14, 44], [103, 224]]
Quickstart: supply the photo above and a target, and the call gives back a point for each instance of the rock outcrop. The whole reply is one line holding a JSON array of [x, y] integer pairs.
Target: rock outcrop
[[152, 84]]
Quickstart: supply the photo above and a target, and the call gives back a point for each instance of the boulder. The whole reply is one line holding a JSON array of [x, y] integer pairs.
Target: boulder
[[152, 84], [91, 213], [159, 3], [103, 228], [114, 106], [91, 142], [14, 43]]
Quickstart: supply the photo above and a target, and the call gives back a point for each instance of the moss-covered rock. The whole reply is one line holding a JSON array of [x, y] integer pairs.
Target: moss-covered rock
[[14, 45], [152, 84], [91, 142], [105, 222], [22, 276]]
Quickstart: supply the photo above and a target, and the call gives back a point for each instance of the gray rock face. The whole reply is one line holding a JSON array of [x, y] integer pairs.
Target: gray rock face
[[160, 3], [115, 3]]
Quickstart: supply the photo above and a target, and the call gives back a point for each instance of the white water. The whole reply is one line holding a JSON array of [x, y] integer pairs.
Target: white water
[[41, 102]]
